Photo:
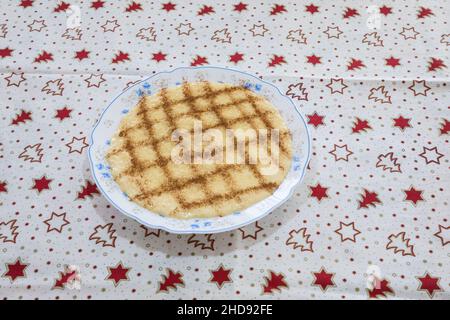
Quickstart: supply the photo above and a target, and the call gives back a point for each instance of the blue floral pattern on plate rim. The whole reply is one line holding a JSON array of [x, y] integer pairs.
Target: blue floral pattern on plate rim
[[111, 117]]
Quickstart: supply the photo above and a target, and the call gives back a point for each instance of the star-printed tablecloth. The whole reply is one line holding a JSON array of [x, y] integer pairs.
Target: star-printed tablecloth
[[371, 218]]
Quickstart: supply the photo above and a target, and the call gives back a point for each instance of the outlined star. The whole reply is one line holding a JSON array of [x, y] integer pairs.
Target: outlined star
[[8, 231], [15, 79], [445, 39], [3, 30], [95, 80], [77, 145], [429, 284], [323, 279], [54, 87], [73, 34], [399, 243], [63, 113], [402, 123], [150, 232], [258, 30], [251, 231], [409, 33], [148, 34], [318, 192], [333, 32], [336, 85], [413, 195], [117, 274], [56, 222], [297, 36], [15, 270], [431, 155], [341, 152], [220, 276], [37, 25], [347, 231], [297, 91], [42, 184], [315, 119], [184, 28], [419, 87], [110, 26], [32, 153], [299, 239], [443, 234], [104, 235]]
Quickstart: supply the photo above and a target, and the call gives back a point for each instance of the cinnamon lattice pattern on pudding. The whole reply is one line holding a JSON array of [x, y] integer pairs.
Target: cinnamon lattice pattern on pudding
[[140, 155]]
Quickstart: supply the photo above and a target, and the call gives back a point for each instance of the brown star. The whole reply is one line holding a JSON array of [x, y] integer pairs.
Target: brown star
[[341, 152]]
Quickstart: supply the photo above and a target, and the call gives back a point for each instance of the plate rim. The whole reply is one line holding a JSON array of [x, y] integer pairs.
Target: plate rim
[[225, 229]]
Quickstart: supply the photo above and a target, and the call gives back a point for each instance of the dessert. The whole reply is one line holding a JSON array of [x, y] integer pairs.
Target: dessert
[[200, 149]]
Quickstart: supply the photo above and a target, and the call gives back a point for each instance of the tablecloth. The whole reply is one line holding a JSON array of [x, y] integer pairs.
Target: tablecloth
[[369, 221]]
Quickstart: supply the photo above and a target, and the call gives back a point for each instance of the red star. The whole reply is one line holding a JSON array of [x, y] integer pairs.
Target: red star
[[41, 184], [313, 59], [393, 62], [117, 273], [429, 284], [236, 57], [323, 279], [435, 64], [413, 195], [424, 12], [318, 192], [3, 186], [240, 7], [385, 10], [220, 276], [83, 54], [380, 289], [402, 123], [169, 6], [63, 113], [159, 56], [6, 52], [26, 3], [277, 8], [315, 119], [312, 8], [15, 270], [350, 12], [97, 4], [445, 127], [198, 61], [355, 64]]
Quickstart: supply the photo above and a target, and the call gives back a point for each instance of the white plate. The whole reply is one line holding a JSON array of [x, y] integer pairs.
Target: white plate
[[112, 115]]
